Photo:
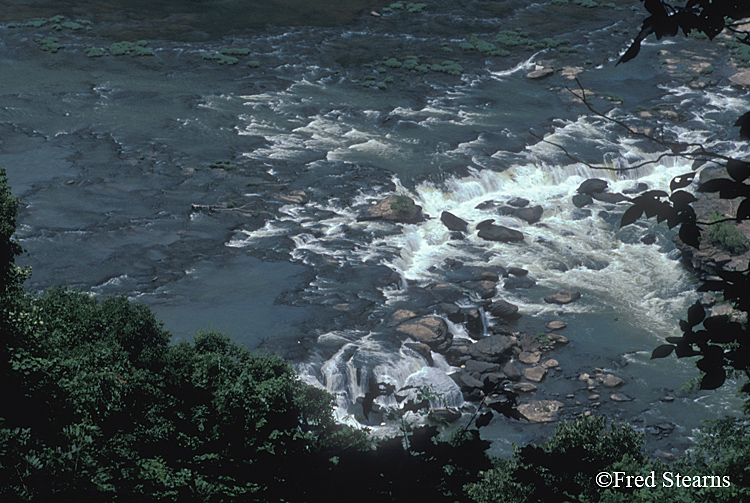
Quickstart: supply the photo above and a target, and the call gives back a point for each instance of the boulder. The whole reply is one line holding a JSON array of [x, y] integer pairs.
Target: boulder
[[581, 200], [518, 202], [396, 208], [458, 353], [610, 197], [649, 239], [485, 289], [620, 397], [530, 358], [540, 73], [580, 214], [610, 381], [422, 349], [429, 330], [541, 411], [493, 349], [741, 79], [295, 197], [517, 271], [524, 387], [562, 298], [472, 366], [512, 372], [551, 364], [400, 316], [499, 233], [451, 311], [531, 215], [535, 374], [454, 223], [592, 186], [502, 309], [556, 325], [529, 343]]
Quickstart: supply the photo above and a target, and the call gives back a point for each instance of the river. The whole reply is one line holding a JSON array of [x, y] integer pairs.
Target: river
[[113, 157]]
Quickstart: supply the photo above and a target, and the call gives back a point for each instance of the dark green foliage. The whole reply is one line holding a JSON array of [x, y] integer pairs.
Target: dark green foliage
[[727, 236], [565, 467]]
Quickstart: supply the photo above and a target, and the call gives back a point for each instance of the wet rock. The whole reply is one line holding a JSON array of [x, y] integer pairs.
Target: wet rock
[[422, 349], [458, 354], [429, 330], [518, 202], [610, 197], [514, 282], [540, 73], [541, 411], [446, 414], [394, 209], [517, 271], [493, 349], [512, 372], [499, 233], [474, 323], [562, 298], [551, 364], [486, 205], [535, 374], [592, 186], [557, 339], [525, 387], [494, 378], [741, 79], [485, 289], [667, 399], [530, 358], [529, 343], [399, 316], [594, 396], [445, 293], [451, 311], [610, 381], [295, 197], [556, 325], [648, 239], [580, 214], [505, 310], [531, 215], [581, 200], [620, 397], [454, 223], [472, 366], [466, 380]]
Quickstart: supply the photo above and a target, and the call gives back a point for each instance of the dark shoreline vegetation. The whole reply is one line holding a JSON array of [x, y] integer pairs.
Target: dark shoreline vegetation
[[101, 407]]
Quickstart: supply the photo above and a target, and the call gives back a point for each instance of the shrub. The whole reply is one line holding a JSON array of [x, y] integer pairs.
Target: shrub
[[727, 236]]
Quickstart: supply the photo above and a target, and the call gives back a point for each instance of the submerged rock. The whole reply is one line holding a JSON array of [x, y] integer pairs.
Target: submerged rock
[[562, 298]]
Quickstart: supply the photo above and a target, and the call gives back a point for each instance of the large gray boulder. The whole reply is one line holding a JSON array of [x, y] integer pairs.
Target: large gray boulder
[[395, 208], [503, 309], [493, 349], [531, 214], [592, 186], [498, 233], [454, 223], [429, 330]]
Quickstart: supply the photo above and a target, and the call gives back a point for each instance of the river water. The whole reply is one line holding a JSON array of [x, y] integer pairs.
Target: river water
[[109, 153]]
